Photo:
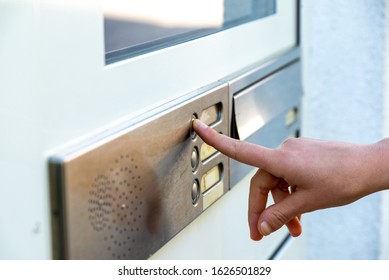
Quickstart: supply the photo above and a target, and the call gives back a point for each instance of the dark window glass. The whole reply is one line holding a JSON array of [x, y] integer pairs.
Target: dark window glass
[[133, 27]]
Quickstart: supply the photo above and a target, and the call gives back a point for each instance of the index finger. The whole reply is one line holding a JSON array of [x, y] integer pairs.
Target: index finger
[[244, 152]]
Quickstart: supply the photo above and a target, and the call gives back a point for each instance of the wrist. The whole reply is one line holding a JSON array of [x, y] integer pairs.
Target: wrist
[[378, 159]]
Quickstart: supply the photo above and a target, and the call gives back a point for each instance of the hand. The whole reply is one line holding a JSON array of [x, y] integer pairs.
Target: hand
[[302, 175]]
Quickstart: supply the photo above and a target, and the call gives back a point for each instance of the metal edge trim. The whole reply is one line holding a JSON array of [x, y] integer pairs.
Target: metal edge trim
[[256, 72], [116, 130], [58, 230]]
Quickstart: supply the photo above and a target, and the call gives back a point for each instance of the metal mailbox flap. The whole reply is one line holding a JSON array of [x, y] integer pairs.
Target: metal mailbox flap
[[266, 100], [267, 112]]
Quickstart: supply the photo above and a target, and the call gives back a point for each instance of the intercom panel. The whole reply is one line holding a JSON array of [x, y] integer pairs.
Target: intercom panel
[[126, 192]]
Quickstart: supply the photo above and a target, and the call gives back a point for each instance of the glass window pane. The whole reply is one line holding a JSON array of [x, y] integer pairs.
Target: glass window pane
[[133, 27]]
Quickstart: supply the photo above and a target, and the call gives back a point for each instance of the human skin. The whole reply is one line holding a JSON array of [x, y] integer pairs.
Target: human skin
[[303, 175]]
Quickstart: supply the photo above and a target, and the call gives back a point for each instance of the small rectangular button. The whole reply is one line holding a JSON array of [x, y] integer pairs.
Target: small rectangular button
[[211, 178], [211, 114], [212, 195], [206, 151]]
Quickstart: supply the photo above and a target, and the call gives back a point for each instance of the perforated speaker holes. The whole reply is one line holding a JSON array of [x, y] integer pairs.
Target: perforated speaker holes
[[116, 206], [100, 203]]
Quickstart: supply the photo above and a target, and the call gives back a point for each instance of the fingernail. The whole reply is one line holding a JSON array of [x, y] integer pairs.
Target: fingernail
[[199, 124], [265, 228]]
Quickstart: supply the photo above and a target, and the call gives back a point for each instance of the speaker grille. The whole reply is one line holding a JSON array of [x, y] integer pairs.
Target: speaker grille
[[100, 203], [116, 206]]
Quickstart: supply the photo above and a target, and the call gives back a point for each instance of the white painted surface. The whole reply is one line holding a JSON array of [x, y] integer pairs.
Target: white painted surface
[[222, 232], [293, 249], [384, 246], [384, 251], [56, 90]]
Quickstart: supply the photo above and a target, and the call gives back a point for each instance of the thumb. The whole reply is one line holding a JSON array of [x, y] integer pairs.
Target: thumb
[[281, 213]]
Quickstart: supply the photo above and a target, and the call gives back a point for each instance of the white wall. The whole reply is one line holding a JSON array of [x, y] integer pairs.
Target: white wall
[[343, 45], [384, 252]]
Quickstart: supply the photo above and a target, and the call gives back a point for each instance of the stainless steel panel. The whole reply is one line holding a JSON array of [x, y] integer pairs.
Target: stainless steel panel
[[125, 195], [259, 104], [262, 112], [257, 72]]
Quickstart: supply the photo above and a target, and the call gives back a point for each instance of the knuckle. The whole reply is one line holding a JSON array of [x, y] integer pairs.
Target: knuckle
[[289, 142], [278, 218]]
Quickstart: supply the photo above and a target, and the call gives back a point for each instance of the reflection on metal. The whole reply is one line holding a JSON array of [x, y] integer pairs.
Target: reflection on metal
[[213, 194], [250, 125], [266, 113], [125, 195], [254, 73], [206, 151], [168, 13], [211, 114], [194, 160], [195, 192], [210, 178], [291, 117], [267, 99]]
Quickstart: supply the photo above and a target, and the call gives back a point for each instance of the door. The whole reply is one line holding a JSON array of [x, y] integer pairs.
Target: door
[[65, 82]]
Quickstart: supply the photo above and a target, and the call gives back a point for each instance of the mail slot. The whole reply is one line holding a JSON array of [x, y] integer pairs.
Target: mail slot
[[267, 112]]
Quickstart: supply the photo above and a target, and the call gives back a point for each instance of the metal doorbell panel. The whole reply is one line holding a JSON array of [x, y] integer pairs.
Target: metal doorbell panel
[[126, 194]]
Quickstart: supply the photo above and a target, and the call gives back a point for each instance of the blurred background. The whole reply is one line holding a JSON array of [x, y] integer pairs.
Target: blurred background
[[345, 77]]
